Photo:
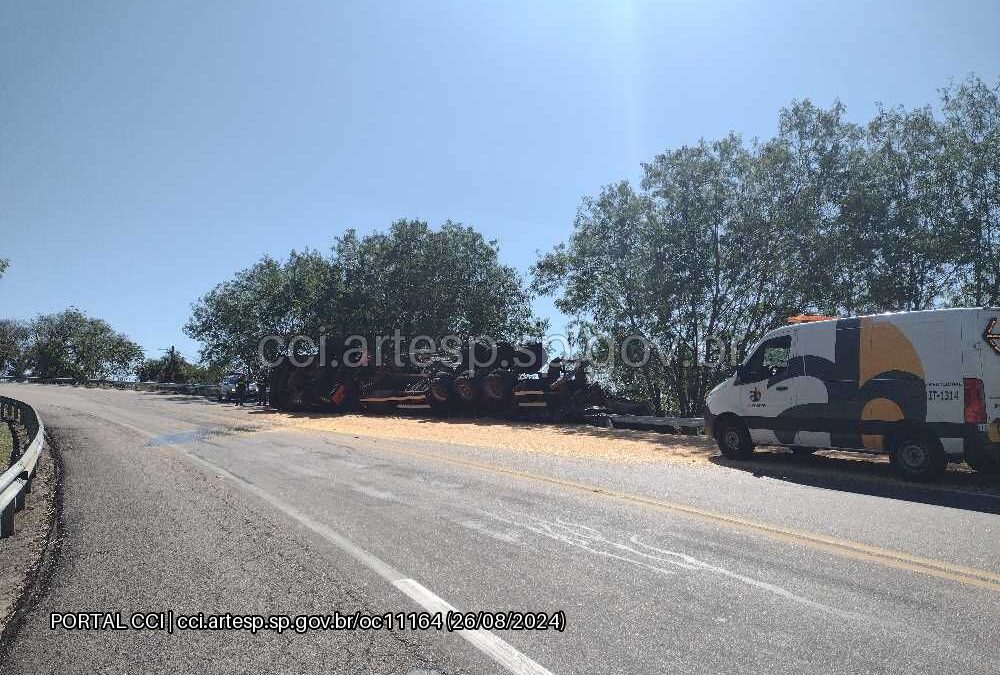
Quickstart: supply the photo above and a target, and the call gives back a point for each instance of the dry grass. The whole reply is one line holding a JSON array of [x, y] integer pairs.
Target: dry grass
[[6, 445]]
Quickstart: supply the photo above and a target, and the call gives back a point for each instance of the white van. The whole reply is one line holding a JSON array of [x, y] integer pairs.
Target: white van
[[922, 386]]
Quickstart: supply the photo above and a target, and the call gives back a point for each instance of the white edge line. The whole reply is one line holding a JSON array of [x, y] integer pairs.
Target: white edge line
[[483, 640]]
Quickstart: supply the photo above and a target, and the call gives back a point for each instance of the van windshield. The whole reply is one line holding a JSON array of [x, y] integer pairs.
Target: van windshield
[[770, 358]]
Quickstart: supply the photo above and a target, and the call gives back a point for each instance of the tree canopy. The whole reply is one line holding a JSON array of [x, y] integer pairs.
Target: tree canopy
[[172, 367], [411, 278], [67, 344], [725, 239]]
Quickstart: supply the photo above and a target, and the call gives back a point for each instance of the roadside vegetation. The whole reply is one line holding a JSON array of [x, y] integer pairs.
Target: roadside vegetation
[[6, 445], [68, 344], [411, 278]]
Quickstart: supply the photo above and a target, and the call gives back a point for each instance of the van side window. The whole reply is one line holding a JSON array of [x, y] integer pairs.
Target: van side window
[[770, 360]]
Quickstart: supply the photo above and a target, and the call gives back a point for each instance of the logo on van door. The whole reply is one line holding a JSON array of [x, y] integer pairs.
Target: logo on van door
[[991, 335], [875, 379]]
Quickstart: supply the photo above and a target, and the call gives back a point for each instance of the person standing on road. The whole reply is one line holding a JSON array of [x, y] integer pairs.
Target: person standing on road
[[241, 390], [262, 391]]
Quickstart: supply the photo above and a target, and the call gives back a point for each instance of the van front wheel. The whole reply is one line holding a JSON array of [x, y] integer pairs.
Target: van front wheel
[[918, 458], [734, 440]]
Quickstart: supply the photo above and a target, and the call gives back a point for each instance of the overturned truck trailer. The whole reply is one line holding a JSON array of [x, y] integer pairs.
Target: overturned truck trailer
[[471, 378]]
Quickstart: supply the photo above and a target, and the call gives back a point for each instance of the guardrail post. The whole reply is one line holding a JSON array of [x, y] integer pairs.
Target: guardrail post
[[7, 521]]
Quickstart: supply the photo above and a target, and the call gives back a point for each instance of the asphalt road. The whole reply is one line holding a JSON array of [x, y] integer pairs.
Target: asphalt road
[[174, 503]]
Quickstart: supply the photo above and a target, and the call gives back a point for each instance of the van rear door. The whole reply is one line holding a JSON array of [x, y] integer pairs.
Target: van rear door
[[989, 341]]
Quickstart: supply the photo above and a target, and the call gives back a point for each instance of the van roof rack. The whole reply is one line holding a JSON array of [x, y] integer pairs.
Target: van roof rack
[[808, 318]]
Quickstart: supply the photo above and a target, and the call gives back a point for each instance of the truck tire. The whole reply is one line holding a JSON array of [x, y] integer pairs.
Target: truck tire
[[466, 387], [918, 457], [733, 439], [439, 389], [498, 386]]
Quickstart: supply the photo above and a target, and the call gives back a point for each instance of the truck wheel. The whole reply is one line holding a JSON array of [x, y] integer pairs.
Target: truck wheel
[[918, 457], [497, 386], [439, 389], [734, 440], [467, 388]]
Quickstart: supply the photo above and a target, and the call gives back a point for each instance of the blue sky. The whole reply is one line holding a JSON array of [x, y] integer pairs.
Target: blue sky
[[149, 150]]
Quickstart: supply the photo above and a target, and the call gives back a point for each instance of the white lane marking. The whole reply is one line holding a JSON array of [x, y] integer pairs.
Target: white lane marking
[[651, 557], [509, 537], [483, 640], [588, 543], [777, 590], [372, 492]]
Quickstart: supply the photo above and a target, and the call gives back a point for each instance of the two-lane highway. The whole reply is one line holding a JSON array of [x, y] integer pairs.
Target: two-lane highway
[[174, 503]]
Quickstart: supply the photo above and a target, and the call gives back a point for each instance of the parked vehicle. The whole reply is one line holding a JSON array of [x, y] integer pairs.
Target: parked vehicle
[[227, 387], [923, 387]]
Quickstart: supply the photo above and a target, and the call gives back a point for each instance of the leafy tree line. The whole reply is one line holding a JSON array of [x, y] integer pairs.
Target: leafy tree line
[[70, 344], [172, 367], [66, 344], [411, 278], [728, 238]]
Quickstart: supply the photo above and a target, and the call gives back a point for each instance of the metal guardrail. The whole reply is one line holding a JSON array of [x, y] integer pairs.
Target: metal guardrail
[[691, 426], [15, 483], [180, 388]]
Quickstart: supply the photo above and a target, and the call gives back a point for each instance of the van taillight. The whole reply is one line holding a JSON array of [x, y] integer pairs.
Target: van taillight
[[975, 401]]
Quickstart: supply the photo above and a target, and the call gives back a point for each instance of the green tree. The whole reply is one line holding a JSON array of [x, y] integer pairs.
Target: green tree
[[411, 278], [172, 367], [431, 282], [972, 135], [898, 246], [606, 275], [13, 347], [283, 299], [71, 344]]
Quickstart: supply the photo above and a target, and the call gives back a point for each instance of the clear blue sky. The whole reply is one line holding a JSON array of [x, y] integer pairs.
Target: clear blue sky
[[149, 150]]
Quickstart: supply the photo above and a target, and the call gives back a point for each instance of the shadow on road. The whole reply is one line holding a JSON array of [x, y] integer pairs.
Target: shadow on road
[[871, 475]]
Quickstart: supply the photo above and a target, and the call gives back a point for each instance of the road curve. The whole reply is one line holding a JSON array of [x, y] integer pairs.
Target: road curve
[[175, 503]]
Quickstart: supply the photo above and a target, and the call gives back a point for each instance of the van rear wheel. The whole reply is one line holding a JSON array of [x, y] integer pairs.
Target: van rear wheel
[[734, 440], [918, 457]]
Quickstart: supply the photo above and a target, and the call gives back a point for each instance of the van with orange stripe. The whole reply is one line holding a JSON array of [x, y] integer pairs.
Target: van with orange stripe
[[923, 387]]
